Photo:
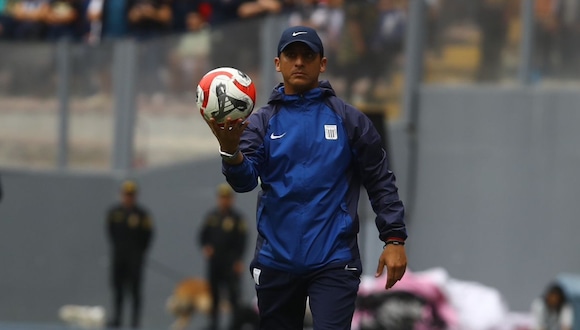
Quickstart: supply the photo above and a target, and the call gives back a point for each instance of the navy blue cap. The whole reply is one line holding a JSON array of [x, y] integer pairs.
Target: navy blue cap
[[303, 34]]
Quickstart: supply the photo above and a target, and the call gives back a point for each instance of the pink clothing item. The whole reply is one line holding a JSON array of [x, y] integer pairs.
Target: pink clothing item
[[418, 285]]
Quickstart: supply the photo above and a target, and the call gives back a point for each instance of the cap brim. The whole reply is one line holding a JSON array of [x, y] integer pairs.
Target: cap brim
[[308, 43]]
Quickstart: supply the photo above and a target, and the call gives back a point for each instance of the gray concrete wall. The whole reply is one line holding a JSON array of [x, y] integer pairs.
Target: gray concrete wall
[[498, 197], [53, 247]]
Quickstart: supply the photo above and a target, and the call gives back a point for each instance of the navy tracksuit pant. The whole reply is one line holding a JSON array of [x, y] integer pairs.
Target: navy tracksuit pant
[[282, 296]]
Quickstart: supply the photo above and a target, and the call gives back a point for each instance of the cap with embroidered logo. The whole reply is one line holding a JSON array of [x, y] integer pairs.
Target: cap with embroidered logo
[[303, 34]]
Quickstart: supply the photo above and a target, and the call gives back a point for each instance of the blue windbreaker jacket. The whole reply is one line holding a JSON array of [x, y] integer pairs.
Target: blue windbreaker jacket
[[312, 152]]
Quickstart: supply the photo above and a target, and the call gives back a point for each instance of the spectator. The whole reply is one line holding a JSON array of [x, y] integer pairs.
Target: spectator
[[6, 25], [569, 16], [552, 311], [259, 8], [360, 23], [387, 43], [108, 19], [182, 9], [236, 30], [302, 13], [130, 230], [63, 19], [327, 18], [433, 42], [493, 24], [546, 36], [29, 19], [149, 18], [223, 11], [251, 14], [223, 240], [189, 62], [148, 21]]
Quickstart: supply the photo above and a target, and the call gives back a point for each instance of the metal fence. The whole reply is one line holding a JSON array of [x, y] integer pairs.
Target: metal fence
[[127, 104]]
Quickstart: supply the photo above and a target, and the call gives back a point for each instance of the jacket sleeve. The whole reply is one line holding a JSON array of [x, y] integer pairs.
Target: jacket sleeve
[[373, 167], [244, 177]]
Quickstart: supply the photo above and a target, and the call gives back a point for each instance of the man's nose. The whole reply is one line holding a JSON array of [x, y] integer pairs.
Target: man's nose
[[299, 60]]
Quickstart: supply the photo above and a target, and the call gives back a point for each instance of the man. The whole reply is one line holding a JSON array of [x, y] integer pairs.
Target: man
[[223, 240], [149, 18], [494, 24], [130, 230], [64, 19], [311, 152], [552, 311], [28, 19]]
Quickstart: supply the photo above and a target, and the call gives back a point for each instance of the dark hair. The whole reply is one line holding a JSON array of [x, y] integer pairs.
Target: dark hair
[[554, 288]]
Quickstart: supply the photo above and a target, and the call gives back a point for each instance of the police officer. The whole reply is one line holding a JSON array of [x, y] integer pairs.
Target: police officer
[[223, 240], [130, 229]]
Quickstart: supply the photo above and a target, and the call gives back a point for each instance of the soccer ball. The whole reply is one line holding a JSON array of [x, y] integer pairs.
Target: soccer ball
[[225, 92]]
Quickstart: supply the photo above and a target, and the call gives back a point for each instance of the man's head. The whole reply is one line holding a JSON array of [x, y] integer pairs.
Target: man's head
[[225, 196], [129, 193], [300, 59], [554, 297]]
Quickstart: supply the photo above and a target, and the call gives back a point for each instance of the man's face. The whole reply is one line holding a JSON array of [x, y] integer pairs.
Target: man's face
[[300, 67], [128, 199], [554, 299], [225, 202]]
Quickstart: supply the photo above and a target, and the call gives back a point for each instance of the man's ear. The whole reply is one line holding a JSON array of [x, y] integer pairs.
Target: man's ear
[[277, 63], [323, 64]]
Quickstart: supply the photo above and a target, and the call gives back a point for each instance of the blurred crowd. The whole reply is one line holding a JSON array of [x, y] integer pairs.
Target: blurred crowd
[[90, 20], [556, 40], [464, 40], [182, 39]]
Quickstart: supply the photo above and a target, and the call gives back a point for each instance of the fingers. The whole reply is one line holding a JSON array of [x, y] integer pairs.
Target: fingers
[[394, 274], [390, 280], [380, 268], [229, 133], [395, 259], [238, 125]]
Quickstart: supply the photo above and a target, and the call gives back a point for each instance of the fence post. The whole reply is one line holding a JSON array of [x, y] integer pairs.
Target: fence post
[[63, 74], [413, 77], [272, 27], [527, 46], [124, 73]]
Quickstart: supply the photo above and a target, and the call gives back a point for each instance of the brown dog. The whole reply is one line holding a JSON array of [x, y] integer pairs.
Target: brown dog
[[190, 296]]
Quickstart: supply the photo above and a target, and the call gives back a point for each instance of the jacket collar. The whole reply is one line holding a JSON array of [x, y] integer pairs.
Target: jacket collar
[[324, 89]]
